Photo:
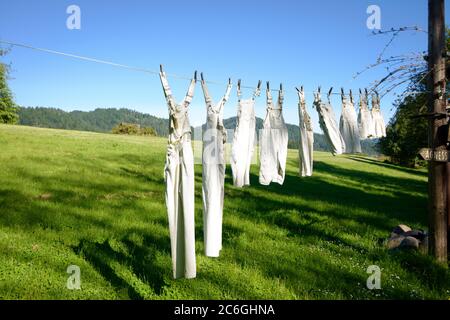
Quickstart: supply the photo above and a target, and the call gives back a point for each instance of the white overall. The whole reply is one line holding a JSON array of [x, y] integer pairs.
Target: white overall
[[327, 122], [274, 143], [378, 121], [365, 122], [348, 126], [213, 160], [243, 140], [306, 138], [179, 178]]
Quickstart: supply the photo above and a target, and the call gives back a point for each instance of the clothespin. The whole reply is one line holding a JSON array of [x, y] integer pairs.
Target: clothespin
[[268, 86], [259, 85], [161, 68], [258, 90], [329, 93], [201, 77], [195, 76], [351, 96], [239, 88], [301, 94]]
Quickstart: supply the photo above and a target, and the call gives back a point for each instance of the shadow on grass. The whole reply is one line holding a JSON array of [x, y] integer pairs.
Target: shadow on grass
[[296, 193], [277, 205], [140, 258], [387, 165]]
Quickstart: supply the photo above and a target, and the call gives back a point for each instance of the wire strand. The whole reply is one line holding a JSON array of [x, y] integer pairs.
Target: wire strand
[[133, 68]]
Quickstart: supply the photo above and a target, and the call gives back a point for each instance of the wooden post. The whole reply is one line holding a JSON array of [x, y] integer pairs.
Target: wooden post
[[437, 135]]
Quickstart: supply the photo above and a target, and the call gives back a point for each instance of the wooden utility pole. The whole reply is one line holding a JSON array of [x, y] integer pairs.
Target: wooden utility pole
[[437, 133]]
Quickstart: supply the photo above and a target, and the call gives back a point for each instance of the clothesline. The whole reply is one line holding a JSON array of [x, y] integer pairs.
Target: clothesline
[[139, 69]]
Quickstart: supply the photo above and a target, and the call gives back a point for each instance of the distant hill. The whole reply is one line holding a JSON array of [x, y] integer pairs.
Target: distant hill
[[103, 120], [99, 120]]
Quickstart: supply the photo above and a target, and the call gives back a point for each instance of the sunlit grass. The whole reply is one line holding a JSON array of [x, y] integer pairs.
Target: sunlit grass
[[97, 201]]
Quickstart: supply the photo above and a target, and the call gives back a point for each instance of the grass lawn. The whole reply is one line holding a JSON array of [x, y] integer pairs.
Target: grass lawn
[[97, 201]]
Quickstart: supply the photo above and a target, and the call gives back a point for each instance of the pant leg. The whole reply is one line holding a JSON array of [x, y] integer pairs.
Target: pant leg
[[188, 201], [172, 179], [211, 194]]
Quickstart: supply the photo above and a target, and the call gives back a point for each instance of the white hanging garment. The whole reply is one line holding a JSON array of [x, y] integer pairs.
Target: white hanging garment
[[306, 137], [378, 121], [179, 178], [348, 125], [213, 163], [274, 142], [365, 122], [244, 139], [327, 122]]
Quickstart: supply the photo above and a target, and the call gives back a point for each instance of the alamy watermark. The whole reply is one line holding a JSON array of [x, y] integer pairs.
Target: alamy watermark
[[373, 22], [74, 280], [374, 280], [73, 21]]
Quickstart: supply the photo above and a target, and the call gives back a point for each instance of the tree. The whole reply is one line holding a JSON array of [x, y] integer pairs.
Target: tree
[[8, 109], [406, 133]]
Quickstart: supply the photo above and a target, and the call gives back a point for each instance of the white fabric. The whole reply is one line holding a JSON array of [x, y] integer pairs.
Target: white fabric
[[243, 141], [348, 127], [214, 139], [378, 121], [327, 122], [274, 143], [365, 122], [179, 178], [306, 138]]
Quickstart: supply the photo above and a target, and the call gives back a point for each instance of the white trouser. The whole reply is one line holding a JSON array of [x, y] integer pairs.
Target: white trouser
[[213, 163], [179, 177], [243, 143], [348, 127], [273, 155], [306, 152], [306, 145], [274, 144], [330, 128], [378, 123], [366, 129]]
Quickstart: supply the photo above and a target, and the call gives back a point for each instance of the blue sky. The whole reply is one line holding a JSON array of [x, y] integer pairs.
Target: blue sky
[[306, 43]]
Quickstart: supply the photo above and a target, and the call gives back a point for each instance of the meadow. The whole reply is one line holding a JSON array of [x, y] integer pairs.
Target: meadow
[[97, 201]]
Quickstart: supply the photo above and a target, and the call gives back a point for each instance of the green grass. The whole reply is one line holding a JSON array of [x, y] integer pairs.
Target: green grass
[[97, 201]]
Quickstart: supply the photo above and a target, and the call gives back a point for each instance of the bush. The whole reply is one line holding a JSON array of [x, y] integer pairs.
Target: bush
[[133, 129]]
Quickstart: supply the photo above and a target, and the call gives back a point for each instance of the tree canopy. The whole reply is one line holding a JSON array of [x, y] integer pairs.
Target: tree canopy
[[8, 109]]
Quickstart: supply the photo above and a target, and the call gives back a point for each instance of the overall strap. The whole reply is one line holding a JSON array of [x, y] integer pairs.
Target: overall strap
[[301, 97], [280, 97], [190, 94], [206, 94], [239, 93], [166, 89], [227, 92]]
